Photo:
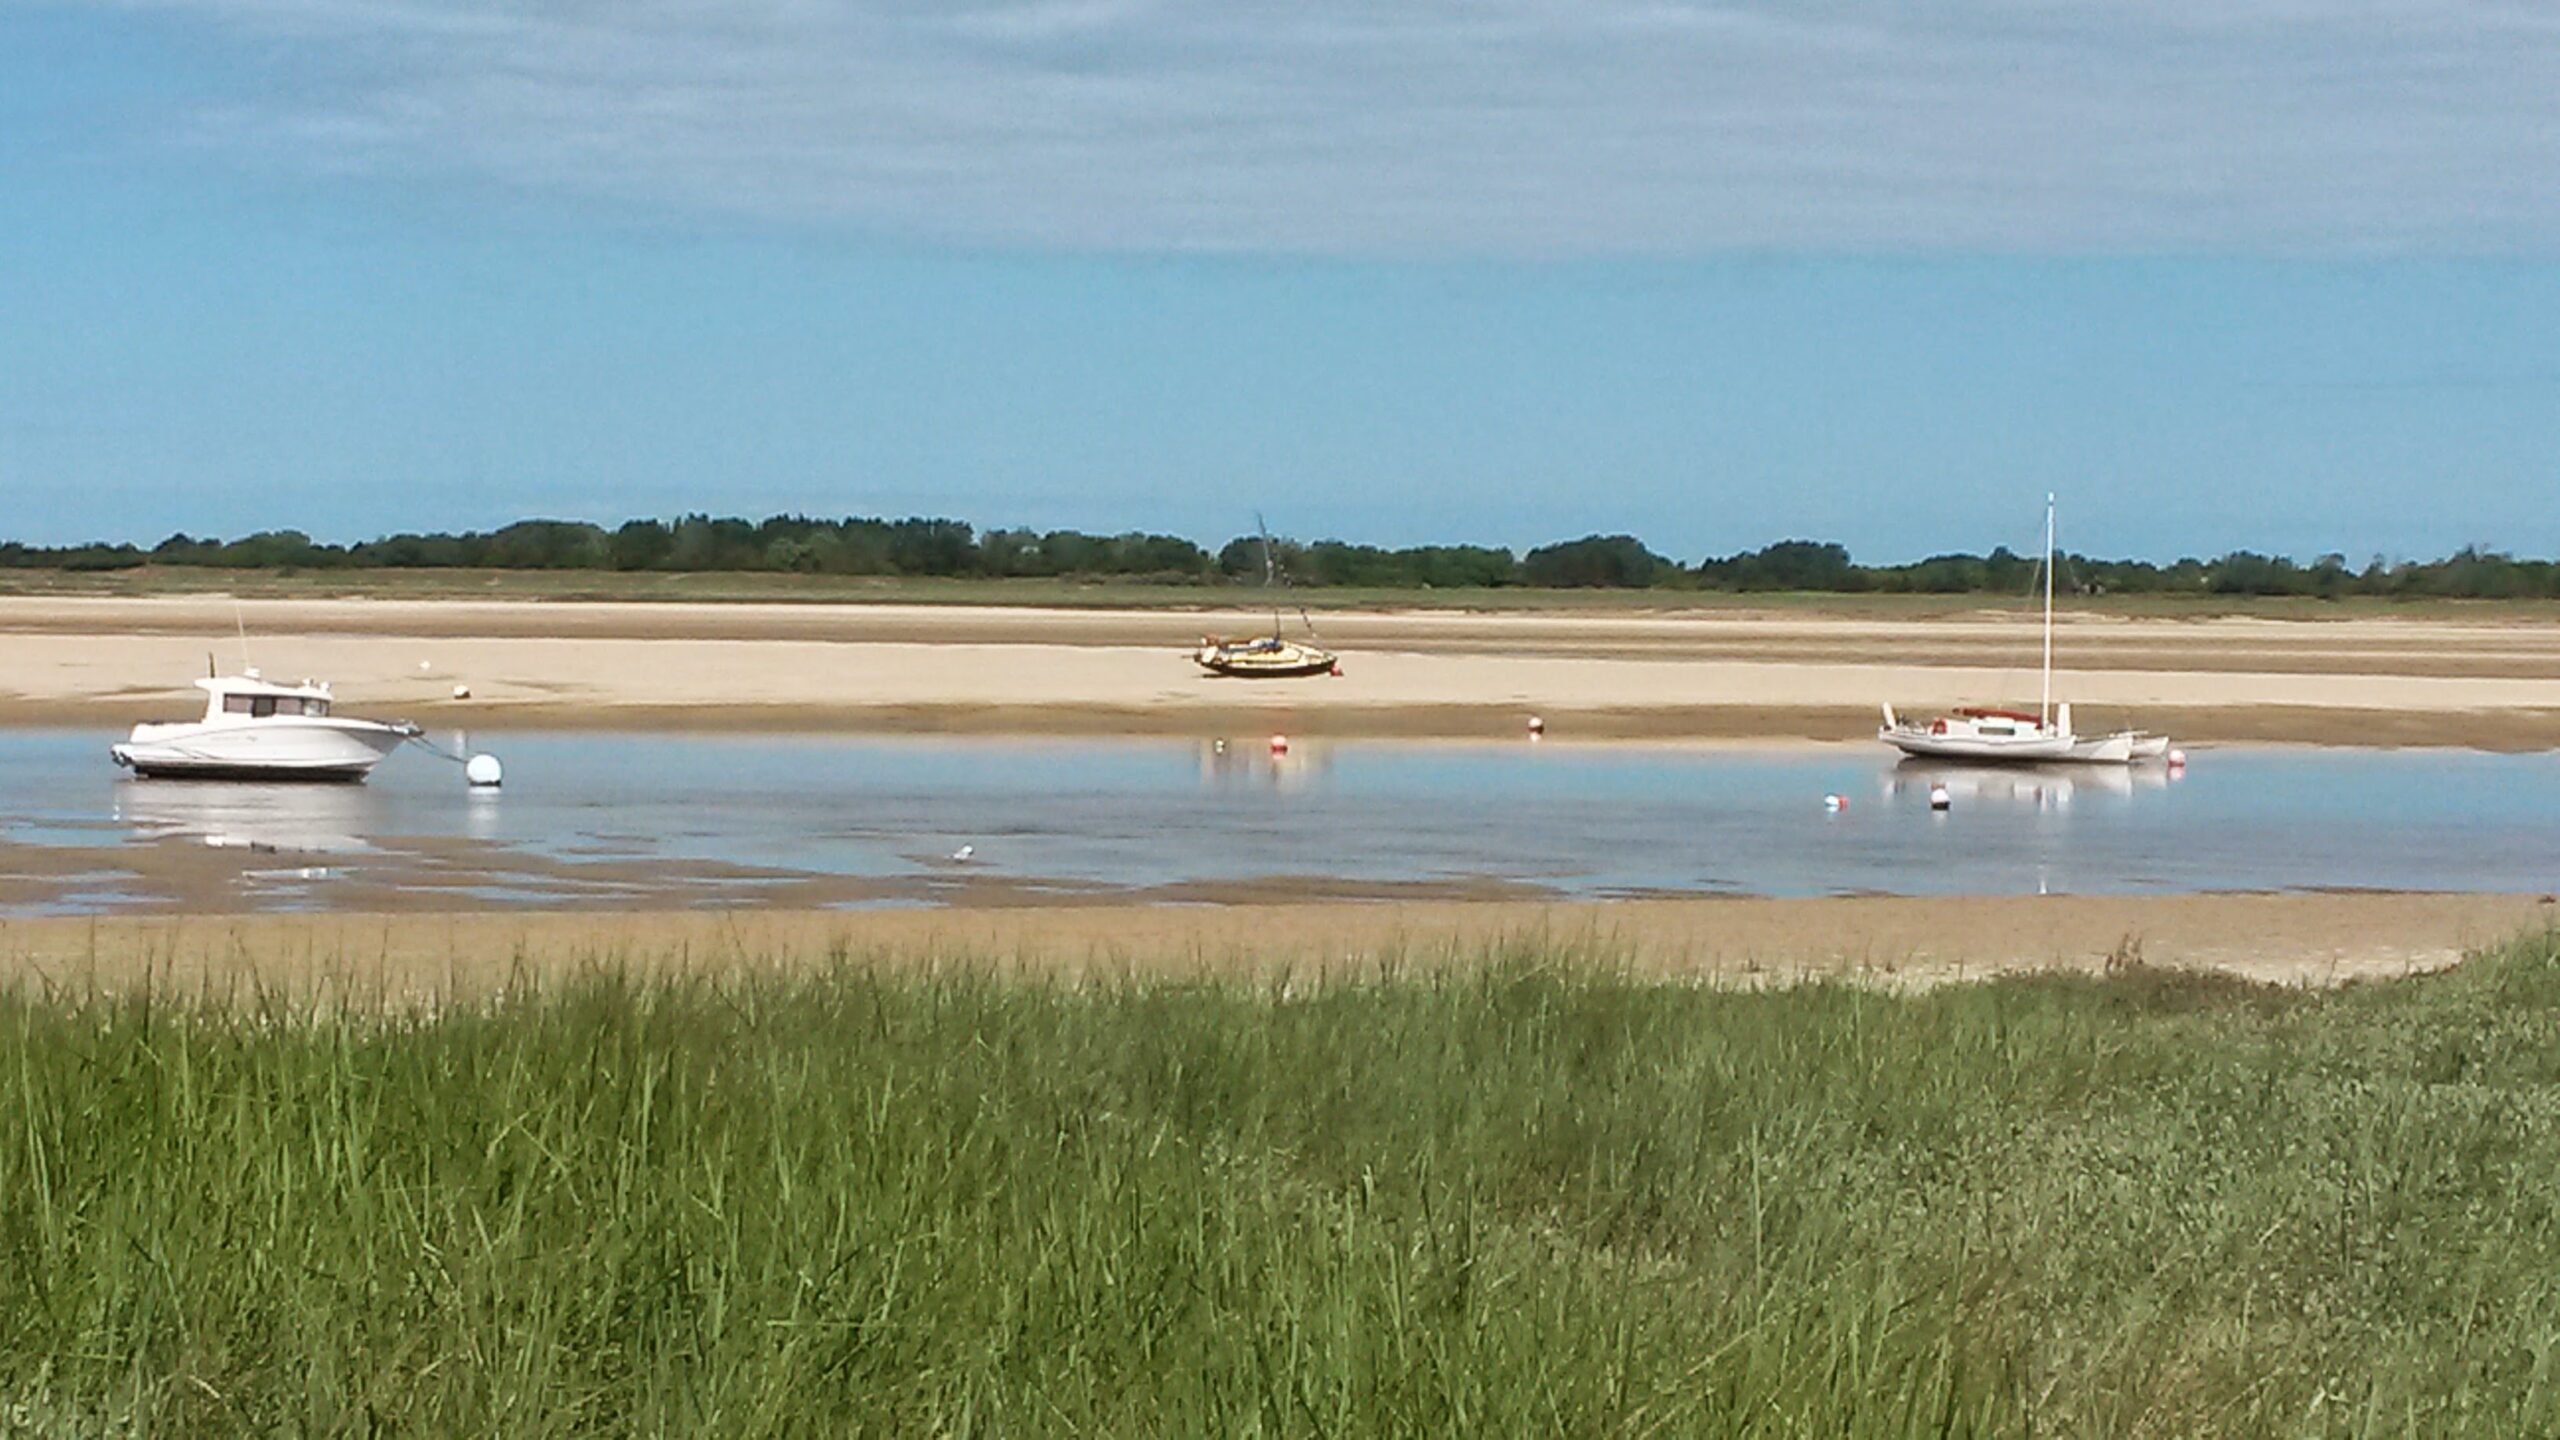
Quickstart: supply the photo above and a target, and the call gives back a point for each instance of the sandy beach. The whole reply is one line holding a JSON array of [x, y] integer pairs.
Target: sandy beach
[[2284, 939], [1625, 675]]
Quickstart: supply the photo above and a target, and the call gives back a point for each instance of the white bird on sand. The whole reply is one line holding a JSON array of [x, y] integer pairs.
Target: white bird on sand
[[963, 854]]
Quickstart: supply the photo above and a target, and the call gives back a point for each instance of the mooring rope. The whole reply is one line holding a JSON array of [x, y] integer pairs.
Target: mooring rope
[[456, 756]]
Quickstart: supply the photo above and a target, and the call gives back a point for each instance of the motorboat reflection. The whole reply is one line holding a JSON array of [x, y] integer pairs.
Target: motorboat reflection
[[281, 817]]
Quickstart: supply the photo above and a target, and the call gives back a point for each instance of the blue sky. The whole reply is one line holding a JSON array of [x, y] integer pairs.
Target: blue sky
[[2255, 273]]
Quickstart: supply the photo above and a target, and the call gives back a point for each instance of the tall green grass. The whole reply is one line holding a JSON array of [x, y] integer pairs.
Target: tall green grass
[[1529, 1197]]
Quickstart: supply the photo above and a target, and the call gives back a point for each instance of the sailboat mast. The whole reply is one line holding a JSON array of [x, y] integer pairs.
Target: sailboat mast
[[1270, 572], [2044, 703]]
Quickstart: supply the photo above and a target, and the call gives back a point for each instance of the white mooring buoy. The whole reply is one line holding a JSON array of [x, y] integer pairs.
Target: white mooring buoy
[[1939, 799], [1279, 744], [482, 772], [1835, 803]]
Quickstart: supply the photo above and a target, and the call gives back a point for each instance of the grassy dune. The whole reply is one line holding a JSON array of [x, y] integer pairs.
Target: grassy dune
[[1528, 1196]]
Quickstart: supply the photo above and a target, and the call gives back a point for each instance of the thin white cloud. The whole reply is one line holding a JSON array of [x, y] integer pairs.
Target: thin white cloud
[[1437, 127]]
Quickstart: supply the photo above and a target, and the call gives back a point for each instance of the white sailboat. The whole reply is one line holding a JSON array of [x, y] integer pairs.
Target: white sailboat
[[1984, 734]]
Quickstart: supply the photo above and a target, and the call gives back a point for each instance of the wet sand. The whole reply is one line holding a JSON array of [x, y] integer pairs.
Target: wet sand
[[1730, 674], [182, 875], [2287, 939]]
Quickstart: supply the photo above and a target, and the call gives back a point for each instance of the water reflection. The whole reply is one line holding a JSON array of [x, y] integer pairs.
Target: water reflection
[[644, 812], [1259, 765], [313, 818], [480, 814], [2037, 787]]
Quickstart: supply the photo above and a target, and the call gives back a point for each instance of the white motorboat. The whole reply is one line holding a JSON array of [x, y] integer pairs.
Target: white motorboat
[[256, 729], [2015, 736]]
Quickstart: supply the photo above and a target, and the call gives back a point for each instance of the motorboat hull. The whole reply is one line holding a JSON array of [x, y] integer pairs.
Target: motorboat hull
[[262, 774], [320, 750]]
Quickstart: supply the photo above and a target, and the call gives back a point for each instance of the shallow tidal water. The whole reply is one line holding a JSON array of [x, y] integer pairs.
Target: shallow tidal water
[[629, 820]]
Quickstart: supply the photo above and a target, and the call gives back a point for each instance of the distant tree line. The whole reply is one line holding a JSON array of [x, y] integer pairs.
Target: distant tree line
[[802, 544]]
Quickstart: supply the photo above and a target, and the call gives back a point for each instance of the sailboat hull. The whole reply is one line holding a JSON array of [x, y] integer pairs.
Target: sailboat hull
[[2103, 750], [1272, 659], [1980, 749]]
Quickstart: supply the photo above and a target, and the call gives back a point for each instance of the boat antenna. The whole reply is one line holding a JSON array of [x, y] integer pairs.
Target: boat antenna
[[2044, 703], [242, 625]]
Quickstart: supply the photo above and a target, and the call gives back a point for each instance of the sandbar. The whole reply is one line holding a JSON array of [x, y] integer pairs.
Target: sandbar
[[1731, 674]]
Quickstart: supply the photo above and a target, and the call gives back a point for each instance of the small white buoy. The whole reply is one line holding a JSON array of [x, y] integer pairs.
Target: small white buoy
[[2177, 759], [1835, 803], [963, 855], [422, 667], [1939, 799], [1217, 747], [1279, 744], [482, 772], [461, 692], [1537, 727]]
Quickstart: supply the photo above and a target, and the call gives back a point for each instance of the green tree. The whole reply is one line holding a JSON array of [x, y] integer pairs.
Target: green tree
[[1594, 561]]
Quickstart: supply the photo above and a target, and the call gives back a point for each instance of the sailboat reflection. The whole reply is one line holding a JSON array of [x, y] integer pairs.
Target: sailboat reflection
[[1242, 765], [285, 818], [2040, 787]]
